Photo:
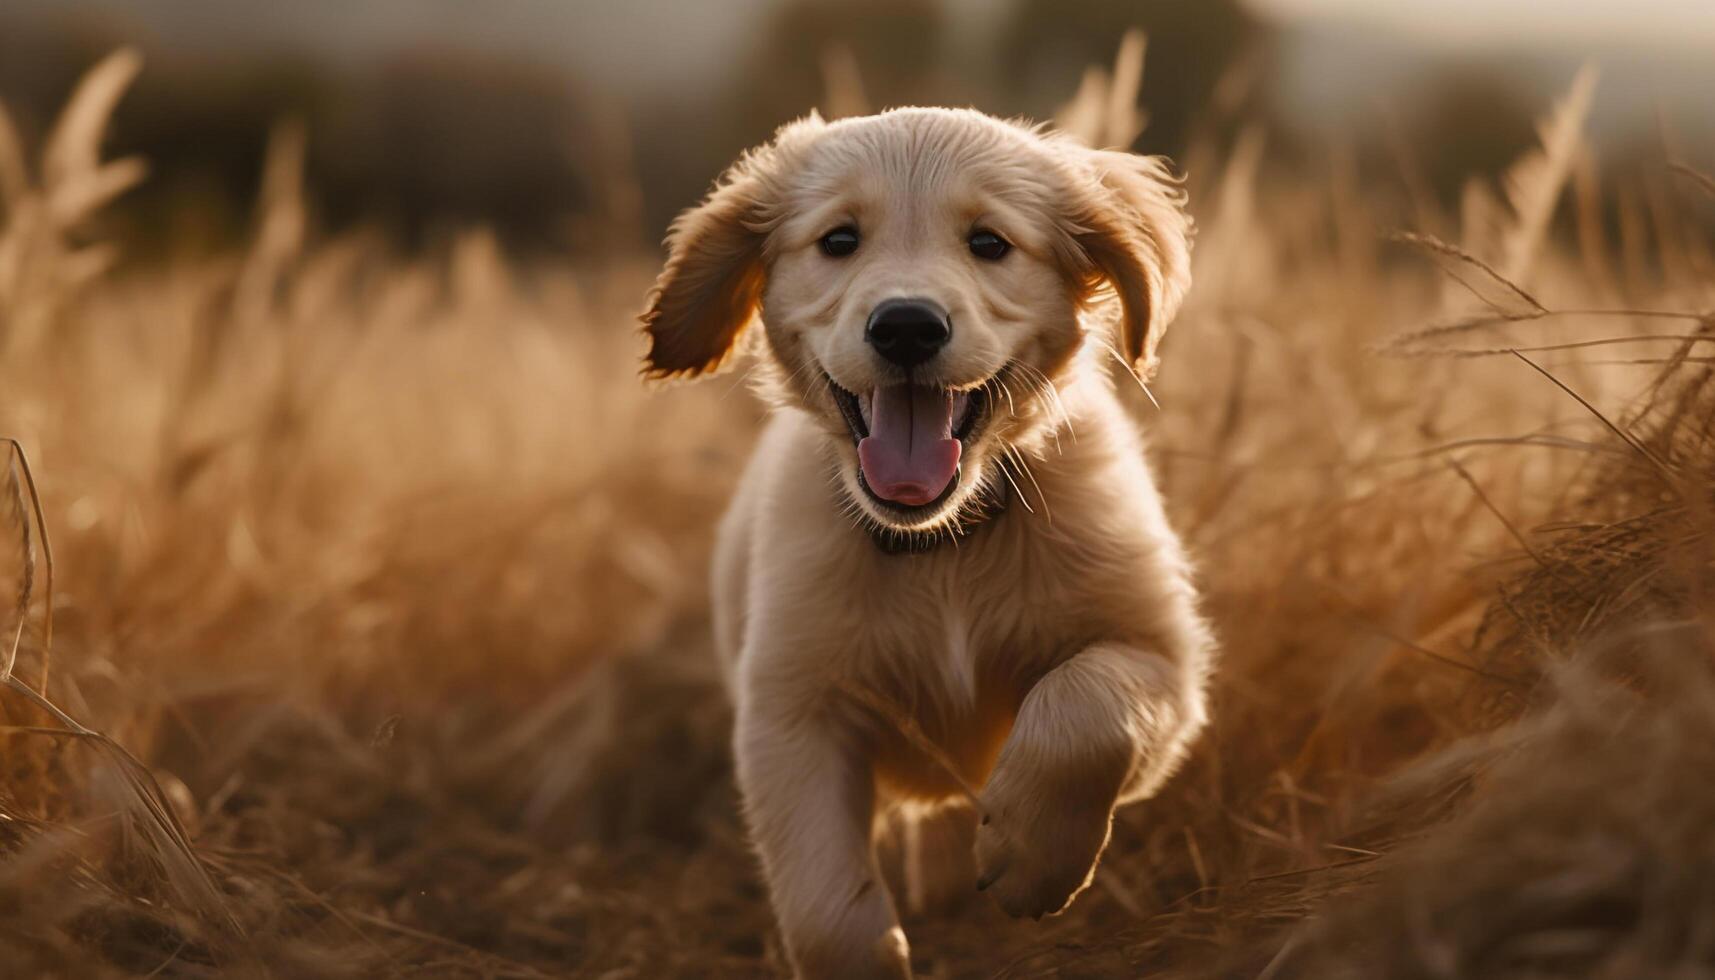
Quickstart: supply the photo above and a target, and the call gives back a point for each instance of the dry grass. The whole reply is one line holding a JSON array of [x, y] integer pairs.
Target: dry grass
[[392, 574]]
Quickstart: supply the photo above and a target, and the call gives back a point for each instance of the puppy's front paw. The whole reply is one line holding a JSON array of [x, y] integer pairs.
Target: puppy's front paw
[[1038, 846]]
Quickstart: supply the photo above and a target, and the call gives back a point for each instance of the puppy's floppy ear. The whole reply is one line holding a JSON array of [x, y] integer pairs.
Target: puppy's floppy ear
[[712, 283], [711, 286], [1130, 225]]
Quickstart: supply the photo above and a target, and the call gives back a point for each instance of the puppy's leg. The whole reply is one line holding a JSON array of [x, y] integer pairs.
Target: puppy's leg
[[1108, 724], [939, 866], [926, 857], [809, 800]]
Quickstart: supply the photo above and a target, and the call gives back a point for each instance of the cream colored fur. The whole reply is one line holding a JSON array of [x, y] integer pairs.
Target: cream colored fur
[[1048, 659]]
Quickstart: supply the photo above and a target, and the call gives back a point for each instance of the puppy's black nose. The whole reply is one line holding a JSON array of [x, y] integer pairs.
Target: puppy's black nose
[[908, 331]]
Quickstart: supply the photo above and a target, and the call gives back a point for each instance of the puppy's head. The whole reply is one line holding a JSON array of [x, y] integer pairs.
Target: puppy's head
[[922, 277]]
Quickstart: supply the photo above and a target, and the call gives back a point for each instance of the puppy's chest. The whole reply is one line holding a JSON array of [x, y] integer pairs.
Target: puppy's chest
[[956, 688], [959, 642], [955, 616]]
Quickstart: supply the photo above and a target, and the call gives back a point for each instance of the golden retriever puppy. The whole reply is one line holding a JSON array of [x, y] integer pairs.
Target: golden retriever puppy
[[946, 575]]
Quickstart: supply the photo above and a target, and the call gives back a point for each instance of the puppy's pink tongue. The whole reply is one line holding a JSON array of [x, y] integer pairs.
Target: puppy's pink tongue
[[910, 454]]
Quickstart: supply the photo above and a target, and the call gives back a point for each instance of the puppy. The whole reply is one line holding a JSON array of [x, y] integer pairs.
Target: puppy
[[947, 575]]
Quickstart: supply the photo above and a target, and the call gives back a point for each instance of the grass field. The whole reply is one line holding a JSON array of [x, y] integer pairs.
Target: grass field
[[388, 574]]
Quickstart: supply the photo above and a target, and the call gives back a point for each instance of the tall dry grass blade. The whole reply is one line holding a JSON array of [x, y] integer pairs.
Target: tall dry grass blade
[[77, 199], [73, 148], [1081, 116], [1533, 185], [1482, 219], [23, 483], [1638, 447], [1104, 111], [842, 83], [1124, 120], [1371, 624], [1589, 221], [160, 824], [1634, 241], [1667, 220], [161, 827], [14, 172], [1404, 344], [27, 574], [1490, 286], [1473, 352], [280, 221], [1697, 177], [1426, 210], [1500, 515]]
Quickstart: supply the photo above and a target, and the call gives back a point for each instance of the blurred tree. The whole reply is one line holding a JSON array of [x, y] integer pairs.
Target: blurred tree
[[425, 142], [202, 124], [1046, 45], [436, 139]]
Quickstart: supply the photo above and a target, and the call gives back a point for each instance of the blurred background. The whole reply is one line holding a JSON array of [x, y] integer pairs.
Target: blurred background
[[564, 124], [317, 325]]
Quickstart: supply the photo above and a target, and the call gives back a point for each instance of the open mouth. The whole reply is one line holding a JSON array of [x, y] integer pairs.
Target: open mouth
[[909, 439]]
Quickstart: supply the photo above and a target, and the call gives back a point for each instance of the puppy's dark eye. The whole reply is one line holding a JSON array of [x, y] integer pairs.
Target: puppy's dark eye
[[840, 242], [988, 245]]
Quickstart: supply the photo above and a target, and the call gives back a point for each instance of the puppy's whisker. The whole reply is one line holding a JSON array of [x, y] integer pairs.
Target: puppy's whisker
[[1131, 373], [803, 371], [1046, 394], [746, 380], [1014, 453], [1022, 500], [1024, 465], [1011, 409], [802, 375], [1051, 393]]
